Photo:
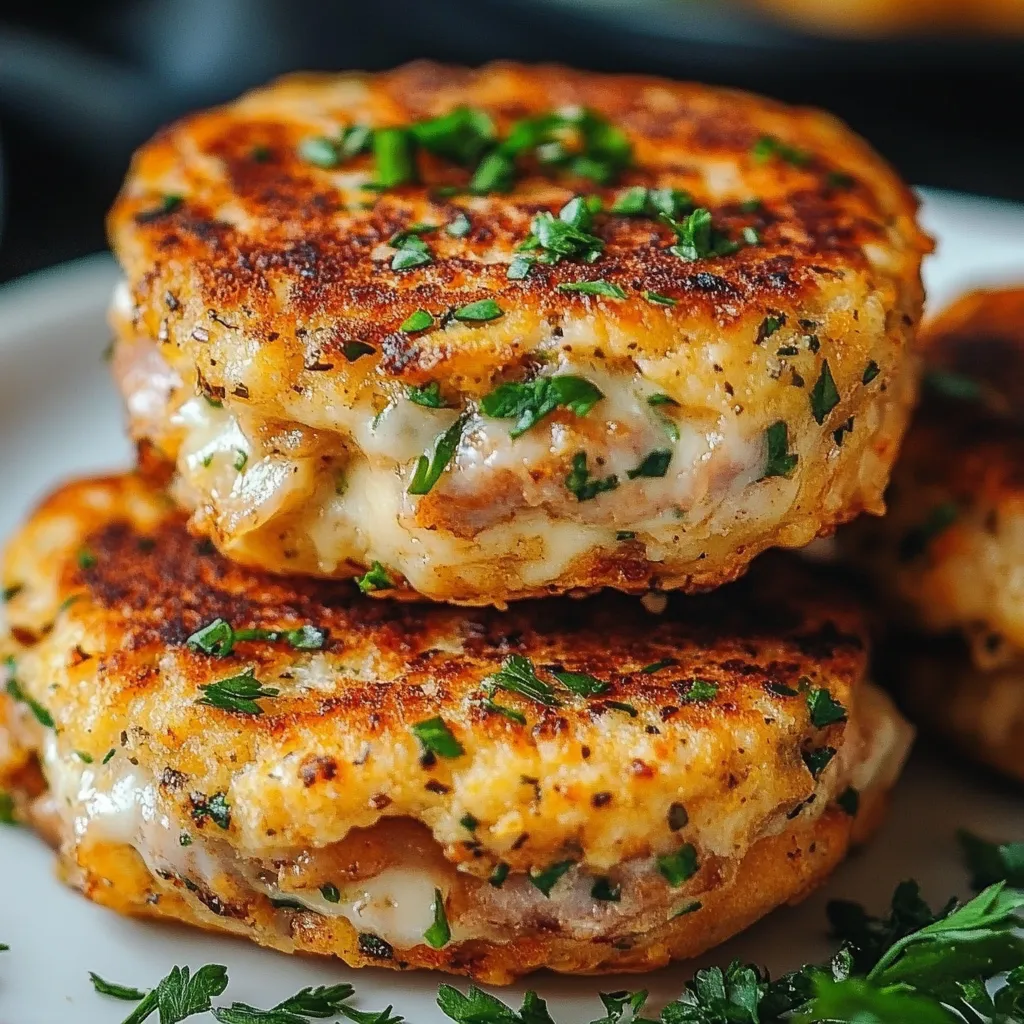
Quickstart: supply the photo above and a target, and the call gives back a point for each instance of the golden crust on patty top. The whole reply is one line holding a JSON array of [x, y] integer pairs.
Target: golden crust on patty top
[[390, 782], [704, 350]]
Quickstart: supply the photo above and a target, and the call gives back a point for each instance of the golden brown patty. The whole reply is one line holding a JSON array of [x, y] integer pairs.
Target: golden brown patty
[[950, 553], [313, 355], [565, 780]]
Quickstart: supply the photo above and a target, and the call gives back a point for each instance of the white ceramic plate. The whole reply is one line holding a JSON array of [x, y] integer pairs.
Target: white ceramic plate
[[59, 417]]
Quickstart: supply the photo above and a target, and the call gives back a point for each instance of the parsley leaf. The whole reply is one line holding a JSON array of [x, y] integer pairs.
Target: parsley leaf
[[697, 690], [779, 460], [181, 995], [582, 485], [604, 288], [112, 988], [818, 760], [957, 386], [15, 692], [654, 464], [545, 880], [428, 471], [581, 683], [420, 320], [679, 866], [393, 157], [439, 934], [992, 862], [697, 238], [528, 402], [461, 136], [824, 708], [768, 146], [437, 738], [824, 395], [376, 579], [237, 693], [428, 395], [517, 675], [478, 312], [659, 300], [218, 638], [565, 237]]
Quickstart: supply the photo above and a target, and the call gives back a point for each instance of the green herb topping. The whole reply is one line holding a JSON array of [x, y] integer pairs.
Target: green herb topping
[[678, 867], [824, 395], [439, 934], [418, 321], [780, 461], [529, 402], [478, 312], [437, 738], [824, 708], [237, 693], [428, 470], [605, 289], [218, 638], [580, 482], [376, 579], [545, 880]]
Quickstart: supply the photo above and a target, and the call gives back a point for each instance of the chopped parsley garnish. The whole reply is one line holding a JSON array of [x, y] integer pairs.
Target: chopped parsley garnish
[[697, 238], [240, 460], [660, 300], [621, 705], [545, 880], [412, 251], [849, 801], [839, 434], [478, 312], [581, 683], [654, 464], [769, 146], [498, 875], [824, 708], [818, 760], [376, 579], [839, 179], [15, 692], [606, 890], [697, 691], [112, 988], [439, 934], [376, 947], [676, 868], [437, 738], [638, 201], [11, 592], [530, 401], [779, 461], [353, 350], [496, 173], [237, 693], [428, 470], [86, 559], [625, 535], [517, 675], [461, 136], [580, 482], [603, 288], [218, 638], [565, 237], [330, 153], [418, 321], [320, 151], [915, 542], [109, 755], [992, 862], [468, 822], [428, 395], [687, 908], [871, 371], [84, 756], [957, 386], [393, 157], [459, 226], [824, 395], [769, 325], [330, 892], [180, 995], [657, 666]]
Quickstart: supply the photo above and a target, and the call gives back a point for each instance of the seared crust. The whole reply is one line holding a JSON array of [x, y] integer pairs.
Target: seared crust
[[255, 287], [951, 550], [329, 784]]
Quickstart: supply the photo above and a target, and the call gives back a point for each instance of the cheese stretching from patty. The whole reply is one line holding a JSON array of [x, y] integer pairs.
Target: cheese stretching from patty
[[717, 388], [572, 784], [950, 555]]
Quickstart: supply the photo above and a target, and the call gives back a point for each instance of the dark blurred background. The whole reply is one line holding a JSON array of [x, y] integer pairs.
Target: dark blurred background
[[933, 84]]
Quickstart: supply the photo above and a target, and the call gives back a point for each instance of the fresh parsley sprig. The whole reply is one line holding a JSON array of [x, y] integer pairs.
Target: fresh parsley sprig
[[218, 638]]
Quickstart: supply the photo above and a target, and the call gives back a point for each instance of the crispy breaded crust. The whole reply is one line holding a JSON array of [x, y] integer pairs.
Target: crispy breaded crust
[[951, 549], [110, 585], [256, 286]]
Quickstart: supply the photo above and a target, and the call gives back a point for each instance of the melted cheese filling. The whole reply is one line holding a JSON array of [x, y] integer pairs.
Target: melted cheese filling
[[121, 804]]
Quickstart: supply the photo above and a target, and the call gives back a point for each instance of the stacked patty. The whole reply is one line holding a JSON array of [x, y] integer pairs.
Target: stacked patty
[[572, 784], [950, 553], [471, 337], [658, 329]]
